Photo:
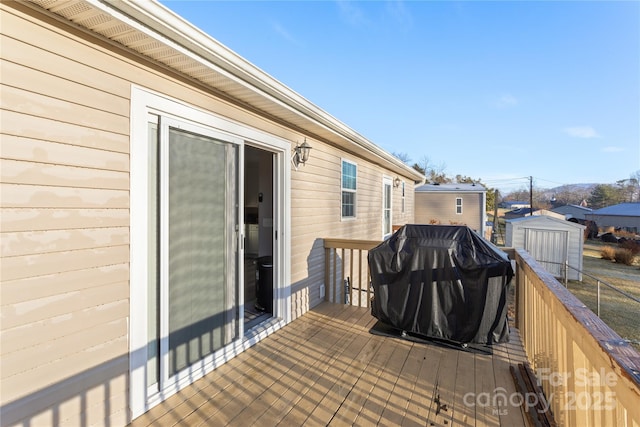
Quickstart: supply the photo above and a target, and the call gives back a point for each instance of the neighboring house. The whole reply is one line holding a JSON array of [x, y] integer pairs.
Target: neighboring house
[[514, 204], [573, 213], [624, 215], [520, 213], [463, 204], [553, 242], [145, 170]]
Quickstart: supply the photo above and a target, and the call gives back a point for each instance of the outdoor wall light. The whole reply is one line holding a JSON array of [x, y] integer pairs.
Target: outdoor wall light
[[396, 182], [301, 154]]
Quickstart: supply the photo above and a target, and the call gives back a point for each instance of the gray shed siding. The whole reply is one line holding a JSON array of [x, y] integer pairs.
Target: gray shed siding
[[546, 239]]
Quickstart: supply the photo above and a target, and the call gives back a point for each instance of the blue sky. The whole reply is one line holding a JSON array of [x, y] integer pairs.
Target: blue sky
[[498, 90]]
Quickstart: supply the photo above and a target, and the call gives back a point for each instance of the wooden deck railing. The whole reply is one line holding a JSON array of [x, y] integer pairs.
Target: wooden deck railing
[[590, 375], [346, 271]]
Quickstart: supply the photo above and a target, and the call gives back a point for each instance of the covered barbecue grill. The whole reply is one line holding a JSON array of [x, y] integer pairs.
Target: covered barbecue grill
[[443, 282]]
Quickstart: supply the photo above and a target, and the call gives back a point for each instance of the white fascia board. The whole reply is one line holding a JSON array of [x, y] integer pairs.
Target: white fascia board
[[451, 192], [159, 22]]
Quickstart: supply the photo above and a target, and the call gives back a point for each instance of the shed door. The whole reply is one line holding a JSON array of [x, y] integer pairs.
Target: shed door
[[548, 247]]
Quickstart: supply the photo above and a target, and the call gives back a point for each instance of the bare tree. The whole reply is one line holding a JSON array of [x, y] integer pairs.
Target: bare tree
[[634, 183], [434, 173], [403, 157]]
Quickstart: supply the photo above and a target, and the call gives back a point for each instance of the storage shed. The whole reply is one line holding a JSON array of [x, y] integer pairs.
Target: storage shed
[[552, 242]]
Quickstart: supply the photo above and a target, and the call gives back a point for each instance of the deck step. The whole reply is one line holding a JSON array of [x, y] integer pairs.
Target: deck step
[[537, 407]]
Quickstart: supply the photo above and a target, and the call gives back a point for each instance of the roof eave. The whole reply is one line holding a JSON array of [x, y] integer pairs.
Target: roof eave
[[154, 19]]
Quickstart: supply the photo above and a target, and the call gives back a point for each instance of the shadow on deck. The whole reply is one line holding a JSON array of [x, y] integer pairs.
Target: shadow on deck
[[326, 368]]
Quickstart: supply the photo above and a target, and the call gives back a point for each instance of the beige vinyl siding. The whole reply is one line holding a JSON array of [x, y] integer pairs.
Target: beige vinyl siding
[[65, 99], [316, 214], [441, 206], [64, 229], [400, 218], [60, 219]]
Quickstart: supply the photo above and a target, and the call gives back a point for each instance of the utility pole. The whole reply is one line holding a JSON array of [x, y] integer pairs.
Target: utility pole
[[531, 195], [494, 239]]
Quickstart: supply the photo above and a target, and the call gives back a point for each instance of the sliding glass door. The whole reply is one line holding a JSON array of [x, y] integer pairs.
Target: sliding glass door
[[187, 302], [193, 236]]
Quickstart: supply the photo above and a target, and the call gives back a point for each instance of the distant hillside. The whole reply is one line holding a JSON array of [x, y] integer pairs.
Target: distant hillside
[[572, 194], [570, 188], [597, 195]]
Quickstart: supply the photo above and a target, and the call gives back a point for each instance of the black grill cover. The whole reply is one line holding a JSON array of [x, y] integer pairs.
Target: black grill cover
[[443, 282]]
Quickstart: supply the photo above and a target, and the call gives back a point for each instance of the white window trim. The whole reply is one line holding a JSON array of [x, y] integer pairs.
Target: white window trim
[[144, 102], [387, 181], [355, 192], [403, 197], [459, 205]]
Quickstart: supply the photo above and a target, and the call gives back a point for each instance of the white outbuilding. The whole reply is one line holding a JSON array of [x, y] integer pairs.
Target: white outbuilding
[[553, 242]]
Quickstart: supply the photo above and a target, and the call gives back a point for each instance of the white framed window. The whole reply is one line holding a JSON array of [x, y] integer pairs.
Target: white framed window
[[349, 184], [459, 205], [386, 207], [403, 198]]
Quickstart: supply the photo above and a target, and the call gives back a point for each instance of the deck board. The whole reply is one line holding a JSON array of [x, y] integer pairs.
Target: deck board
[[371, 382], [421, 400], [443, 391], [326, 368], [465, 382], [485, 381]]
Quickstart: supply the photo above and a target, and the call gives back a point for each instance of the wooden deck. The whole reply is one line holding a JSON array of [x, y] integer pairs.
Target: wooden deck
[[326, 368]]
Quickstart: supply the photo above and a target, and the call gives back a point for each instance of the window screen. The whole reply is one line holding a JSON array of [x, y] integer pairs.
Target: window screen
[[349, 178]]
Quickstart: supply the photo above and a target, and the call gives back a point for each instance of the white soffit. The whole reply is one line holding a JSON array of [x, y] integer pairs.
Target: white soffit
[[152, 30]]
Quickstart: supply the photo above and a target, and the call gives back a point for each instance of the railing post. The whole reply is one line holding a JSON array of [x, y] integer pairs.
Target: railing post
[[342, 272], [598, 298], [350, 278], [360, 278], [518, 295], [334, 278], [327, 272]]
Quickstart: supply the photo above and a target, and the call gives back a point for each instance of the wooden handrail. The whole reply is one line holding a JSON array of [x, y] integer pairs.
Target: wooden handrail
[[351, 244], [589, 373], [346, 275]]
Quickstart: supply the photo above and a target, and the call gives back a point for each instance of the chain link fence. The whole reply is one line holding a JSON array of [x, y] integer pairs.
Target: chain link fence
[[617, 307]]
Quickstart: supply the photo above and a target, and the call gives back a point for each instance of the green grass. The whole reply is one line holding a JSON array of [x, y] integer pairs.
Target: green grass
[[619, 312]]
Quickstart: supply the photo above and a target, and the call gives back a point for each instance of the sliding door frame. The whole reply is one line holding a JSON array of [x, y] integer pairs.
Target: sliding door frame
[[143, 104]]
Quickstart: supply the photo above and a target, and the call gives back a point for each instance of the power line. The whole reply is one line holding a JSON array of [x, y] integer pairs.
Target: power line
[[506, 179]]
